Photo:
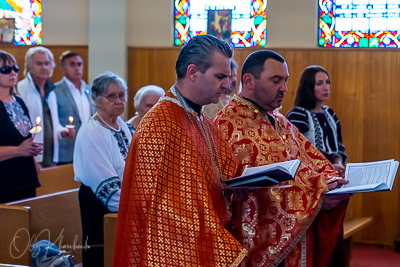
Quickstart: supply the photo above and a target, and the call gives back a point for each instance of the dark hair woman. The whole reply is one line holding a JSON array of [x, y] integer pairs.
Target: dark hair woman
[[320, 125], [317, 122], [19, 171]]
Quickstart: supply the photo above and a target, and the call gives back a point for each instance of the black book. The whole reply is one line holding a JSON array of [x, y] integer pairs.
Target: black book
[[266, 175]]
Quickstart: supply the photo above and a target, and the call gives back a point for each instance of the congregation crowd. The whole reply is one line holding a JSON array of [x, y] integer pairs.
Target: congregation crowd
[[163, 169]]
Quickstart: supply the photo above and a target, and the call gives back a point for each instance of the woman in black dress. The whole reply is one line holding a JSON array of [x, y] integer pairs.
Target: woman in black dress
[[321, 126], [18, 169]]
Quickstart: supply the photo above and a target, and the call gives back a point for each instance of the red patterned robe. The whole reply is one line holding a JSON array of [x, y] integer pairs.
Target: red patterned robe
[[278, 224], [172, 211]]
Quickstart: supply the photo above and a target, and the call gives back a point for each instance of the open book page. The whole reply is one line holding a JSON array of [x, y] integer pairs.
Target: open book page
[[369, 176], [290, 167], [367, 173]]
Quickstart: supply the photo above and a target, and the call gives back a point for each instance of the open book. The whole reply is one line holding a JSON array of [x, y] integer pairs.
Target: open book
[[369, 177], [266, 175]]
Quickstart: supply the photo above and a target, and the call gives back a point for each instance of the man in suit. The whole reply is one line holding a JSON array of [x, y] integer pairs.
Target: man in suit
[[70, 98]]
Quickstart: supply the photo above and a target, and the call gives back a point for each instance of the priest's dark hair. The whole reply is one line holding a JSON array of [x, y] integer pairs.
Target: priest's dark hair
[[305, 96], [254, 63], [198, 51]]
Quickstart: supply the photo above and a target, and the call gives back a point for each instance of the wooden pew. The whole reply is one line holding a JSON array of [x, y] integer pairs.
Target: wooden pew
[[110, 225], [55, 217], [56, 179], [351, 227]]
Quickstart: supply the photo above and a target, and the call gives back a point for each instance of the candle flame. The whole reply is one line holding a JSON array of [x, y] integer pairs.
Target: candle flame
[[37, 120], [71, 119]]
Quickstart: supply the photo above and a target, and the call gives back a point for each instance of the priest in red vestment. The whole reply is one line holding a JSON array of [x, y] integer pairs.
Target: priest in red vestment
[[173, 211], [293, 226]]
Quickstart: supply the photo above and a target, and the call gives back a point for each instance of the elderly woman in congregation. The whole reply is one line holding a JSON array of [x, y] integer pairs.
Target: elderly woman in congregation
[[99, 159], [145, 98]]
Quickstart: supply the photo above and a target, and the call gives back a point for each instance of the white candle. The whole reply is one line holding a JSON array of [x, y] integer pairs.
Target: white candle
[[37, 122]]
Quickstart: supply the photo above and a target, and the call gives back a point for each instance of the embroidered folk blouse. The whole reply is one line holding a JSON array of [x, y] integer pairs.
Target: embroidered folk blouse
[[99, 160]]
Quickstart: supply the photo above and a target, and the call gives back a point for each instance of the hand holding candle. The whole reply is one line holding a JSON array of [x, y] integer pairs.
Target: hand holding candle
[[70, 134]]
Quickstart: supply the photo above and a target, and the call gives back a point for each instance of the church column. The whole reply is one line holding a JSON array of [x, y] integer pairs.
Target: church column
[[107, 38]]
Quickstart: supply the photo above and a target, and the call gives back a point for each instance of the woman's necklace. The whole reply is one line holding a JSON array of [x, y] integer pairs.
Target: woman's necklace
[[117, 131], [106, 124]]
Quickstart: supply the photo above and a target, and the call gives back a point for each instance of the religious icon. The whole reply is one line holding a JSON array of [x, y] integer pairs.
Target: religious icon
[[219, 24], [7, 27]]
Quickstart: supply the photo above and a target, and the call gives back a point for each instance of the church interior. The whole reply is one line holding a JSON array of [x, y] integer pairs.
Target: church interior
[[136, 40]]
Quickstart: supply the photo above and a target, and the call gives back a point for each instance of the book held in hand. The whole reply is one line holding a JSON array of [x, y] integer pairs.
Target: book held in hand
[[369, 177], [266, 175]]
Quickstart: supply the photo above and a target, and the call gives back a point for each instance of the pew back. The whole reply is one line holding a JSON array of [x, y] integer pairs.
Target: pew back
[[110, 226], [56, 179], [55, 217]]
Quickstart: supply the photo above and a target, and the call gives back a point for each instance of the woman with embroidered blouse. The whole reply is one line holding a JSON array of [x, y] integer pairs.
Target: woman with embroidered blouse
[[317, 122], [99, 160], [321, 126], [19, 171]]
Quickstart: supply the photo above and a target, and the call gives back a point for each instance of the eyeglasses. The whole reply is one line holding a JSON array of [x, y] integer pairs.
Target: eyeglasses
[[113, 97], [8, 69]]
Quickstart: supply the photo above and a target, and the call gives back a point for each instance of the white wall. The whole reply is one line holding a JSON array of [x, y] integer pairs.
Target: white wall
[[150, 23], [107, 39], [291, 23], [65, 22]]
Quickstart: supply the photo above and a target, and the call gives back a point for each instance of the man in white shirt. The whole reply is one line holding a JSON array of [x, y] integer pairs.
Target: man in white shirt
[[69, 100], [34, 89]]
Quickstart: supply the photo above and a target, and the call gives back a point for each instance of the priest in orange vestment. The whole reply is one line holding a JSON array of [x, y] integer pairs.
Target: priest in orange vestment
[[285, 226], [172, 208]]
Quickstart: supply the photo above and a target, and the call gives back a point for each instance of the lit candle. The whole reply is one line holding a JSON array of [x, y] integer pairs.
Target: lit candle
[[36, 129], [71, 119], [37, 122]]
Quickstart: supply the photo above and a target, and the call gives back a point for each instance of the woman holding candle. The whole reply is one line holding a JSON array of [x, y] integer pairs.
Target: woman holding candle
[[19, 171], [99, 160]]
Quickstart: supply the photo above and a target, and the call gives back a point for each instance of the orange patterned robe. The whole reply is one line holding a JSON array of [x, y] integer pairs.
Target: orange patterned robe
[[277, 224], [172, 211]]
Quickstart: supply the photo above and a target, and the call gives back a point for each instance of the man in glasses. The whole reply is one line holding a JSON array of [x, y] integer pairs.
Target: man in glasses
[[70, 104], [34, 90], [212, 109], [172, 208]]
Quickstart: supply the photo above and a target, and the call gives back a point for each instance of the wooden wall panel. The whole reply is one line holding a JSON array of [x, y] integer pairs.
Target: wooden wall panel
[[364, 94], [150, 66], [19, 53]]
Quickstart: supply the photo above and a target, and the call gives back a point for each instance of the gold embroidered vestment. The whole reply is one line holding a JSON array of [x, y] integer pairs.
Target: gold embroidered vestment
[[172, 211]]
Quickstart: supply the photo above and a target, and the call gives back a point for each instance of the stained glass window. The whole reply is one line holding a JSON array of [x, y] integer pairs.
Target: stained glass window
[[359, 23], [28, 20], [248, 20]]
